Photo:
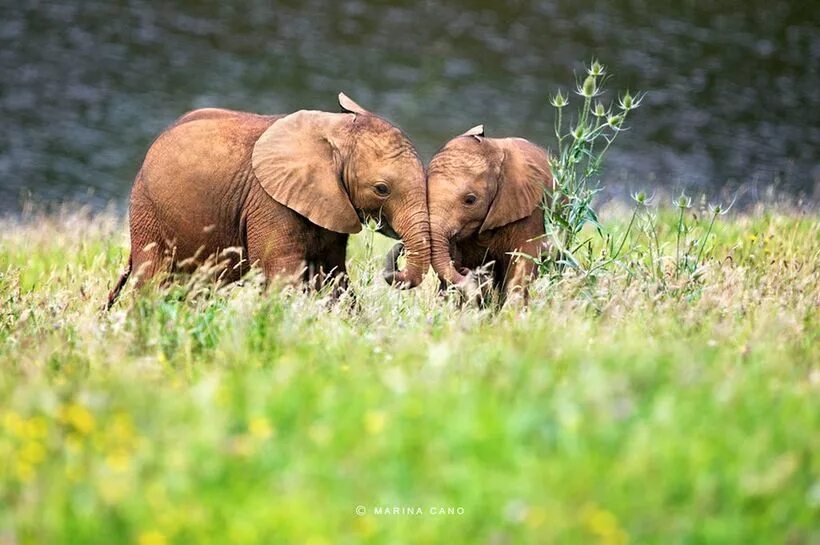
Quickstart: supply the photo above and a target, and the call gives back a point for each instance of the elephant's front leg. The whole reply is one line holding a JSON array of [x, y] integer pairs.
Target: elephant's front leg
[[277, 251], [325, 259], [289, 268], [520, 270], [469, 260], [333, 269]]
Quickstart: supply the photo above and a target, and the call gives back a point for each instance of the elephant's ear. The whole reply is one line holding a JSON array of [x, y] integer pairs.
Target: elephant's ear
[[349, 107], [476, 132], [297, 162], [524, 173]]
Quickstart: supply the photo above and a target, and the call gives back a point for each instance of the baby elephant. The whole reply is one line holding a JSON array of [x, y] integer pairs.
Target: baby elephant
[[284, 190], [484, 195]]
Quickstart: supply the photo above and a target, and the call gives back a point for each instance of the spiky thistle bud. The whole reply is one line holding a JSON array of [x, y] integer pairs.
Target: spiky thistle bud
[[599, 110], [615, 121], [641, 198], [596, 69], [719, 209], [559, 100], [589, 88], [628, 102], [683, 201]]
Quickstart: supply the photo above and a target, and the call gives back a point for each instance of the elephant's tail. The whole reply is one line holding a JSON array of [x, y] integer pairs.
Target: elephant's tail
[[114, 293]]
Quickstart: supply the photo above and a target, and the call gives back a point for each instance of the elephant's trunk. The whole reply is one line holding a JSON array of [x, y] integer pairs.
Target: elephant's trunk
[[391, 262], [414, 230], [442, 260]]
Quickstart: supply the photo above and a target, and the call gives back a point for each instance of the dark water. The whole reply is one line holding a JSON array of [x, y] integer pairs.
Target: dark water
[[734, 86]]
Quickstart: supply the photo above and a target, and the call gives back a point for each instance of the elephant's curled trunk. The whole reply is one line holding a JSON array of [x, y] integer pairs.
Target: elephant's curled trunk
[[391, 262], [442, 260], [415, 235]]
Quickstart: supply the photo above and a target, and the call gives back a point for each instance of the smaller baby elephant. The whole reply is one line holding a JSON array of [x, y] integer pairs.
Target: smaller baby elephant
[[483, 196]]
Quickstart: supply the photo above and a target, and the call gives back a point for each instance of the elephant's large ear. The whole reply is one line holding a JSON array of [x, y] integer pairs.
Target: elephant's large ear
[[523, 175], [476, 132], [297, 162], [349, 107]]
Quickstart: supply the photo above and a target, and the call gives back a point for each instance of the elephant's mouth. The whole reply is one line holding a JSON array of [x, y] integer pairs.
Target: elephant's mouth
[[384, 226], [387, 230], [465, 232]]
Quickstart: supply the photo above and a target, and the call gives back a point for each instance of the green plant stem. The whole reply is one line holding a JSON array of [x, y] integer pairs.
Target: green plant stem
[[703, 245], [626, 234], [558, 135], [656, 266], [568, 206], [677, 243]]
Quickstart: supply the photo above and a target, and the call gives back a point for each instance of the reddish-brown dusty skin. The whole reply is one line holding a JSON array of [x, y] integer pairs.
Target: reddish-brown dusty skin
[[285, 191], [483, 196]]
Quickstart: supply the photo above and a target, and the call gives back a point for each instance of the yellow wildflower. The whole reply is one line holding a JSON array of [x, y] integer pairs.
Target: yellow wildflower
[[35, 427], [536, 517], [113, 490], [374, 422], [24, 471], [365, 526], [32, 453], [605, 525], [260, 428], [13, 423], [79, 418], [121, 426], [152, 538], [118, 460]]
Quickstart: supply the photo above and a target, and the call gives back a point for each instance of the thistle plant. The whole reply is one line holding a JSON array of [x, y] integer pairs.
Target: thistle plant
[[582, 144], [582, 141], [682, 203], [715, 210]]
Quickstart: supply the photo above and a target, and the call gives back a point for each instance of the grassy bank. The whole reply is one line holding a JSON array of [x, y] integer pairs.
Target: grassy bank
[[608, 412]]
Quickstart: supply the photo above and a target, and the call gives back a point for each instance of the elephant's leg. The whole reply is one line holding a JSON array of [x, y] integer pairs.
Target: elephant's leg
[[148, 261], [334, 268], [276, 265], [277, 250], [519, 273], [149, 252], [475, 262]]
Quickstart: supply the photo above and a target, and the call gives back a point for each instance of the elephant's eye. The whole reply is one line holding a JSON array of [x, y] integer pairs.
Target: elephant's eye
[[470, 199], [382, 189]]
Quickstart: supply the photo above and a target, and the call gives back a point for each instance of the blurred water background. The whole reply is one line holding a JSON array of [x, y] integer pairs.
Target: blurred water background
[[734, 86]]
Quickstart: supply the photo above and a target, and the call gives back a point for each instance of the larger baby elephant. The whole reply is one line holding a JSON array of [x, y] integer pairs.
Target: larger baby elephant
[[286, 190], [483, 195]]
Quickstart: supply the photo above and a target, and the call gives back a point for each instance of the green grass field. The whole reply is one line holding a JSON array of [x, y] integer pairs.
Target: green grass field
[[628, 410]]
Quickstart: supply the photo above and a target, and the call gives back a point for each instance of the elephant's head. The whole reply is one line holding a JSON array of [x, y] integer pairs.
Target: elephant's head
[[477, 184], [338, 169]]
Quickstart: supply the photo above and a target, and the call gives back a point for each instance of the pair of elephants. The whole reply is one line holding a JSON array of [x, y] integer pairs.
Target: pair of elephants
[[288, 190]]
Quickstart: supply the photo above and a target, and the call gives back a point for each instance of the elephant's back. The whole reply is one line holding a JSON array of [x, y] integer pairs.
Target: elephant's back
[[202, 151], [212, 132], [197, 176], [224, 114]]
